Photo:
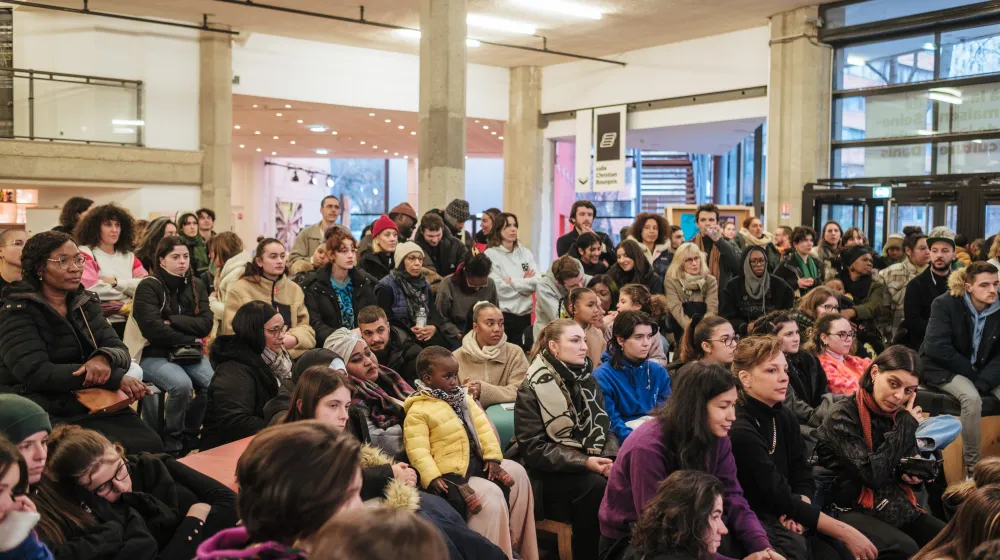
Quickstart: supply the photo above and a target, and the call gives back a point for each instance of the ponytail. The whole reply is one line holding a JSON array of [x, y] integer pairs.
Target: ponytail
[[698, 332], [653, 305]]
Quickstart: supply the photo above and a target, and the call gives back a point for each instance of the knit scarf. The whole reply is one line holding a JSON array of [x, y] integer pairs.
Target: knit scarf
[[415, 290], [483, 353], [713, 258], [383, 398], [572, 413], [763, 241], [455, 399], [345, 300], [692, 283], [807, 267], [866, 407], [756, 287], [279, 362], [828, 252]]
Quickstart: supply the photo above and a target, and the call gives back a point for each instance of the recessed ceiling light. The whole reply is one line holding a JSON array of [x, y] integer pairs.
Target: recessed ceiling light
[[486, 127], [472, 43], [371, 114], [374, 147], [275, 137], [362, 142], [242, 145], [387, 151], [322, 151], [413, 133], [292, 142], [287, 106], [563, 7], [258, 149], [237, 127], [500, 137], [493, 132], [497, 24], [477, 121], [277, 114], [256, 132], [400, 127], [317, 128], [395, 153], [274, 153], [299, 121], [255, 106], [334, 133], [406, 157], [388, 120]]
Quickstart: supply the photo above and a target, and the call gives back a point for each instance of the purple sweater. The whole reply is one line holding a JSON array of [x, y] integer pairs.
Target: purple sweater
[[641, 467]]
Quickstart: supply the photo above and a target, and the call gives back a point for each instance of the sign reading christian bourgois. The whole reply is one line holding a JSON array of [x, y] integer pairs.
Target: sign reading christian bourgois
[[609, 137]]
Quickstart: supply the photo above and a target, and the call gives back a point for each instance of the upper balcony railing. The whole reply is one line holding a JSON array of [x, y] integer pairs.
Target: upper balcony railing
[[59, 107]]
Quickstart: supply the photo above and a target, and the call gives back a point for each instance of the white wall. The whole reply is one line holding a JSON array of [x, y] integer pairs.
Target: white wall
[[718, 63], [166, 60], [140, 201], [301, 70]]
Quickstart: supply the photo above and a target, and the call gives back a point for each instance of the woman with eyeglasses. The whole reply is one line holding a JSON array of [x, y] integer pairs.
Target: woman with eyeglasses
[[709, 338], [54, 341], [810, 307], [180, 506], [336, 292], [865, 442], [832, 341], [405, 296], [690, 288], [11, 245], [250, 366]]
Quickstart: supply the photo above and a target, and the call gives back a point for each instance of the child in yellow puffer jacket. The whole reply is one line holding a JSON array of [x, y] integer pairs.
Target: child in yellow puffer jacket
[[448, 437]]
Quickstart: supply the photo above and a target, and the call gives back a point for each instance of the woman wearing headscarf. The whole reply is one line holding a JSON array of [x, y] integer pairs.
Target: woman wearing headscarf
[[752, 234], [755, 293]]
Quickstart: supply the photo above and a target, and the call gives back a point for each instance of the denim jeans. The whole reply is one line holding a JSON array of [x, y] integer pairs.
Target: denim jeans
[[183, 414], [961, 388], [941, 429]]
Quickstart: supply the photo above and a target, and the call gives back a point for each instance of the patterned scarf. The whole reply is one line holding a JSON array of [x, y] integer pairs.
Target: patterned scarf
[[455, 399], [415, 290], [345, 300], [384, 398], [279, 362], [713, 258], [570, 402], [866, 407]]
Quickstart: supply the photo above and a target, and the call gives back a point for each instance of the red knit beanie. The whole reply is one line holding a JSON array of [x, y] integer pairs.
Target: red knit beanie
[[382, 224]]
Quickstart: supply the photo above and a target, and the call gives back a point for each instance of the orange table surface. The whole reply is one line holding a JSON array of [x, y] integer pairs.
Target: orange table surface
[[219, 463]]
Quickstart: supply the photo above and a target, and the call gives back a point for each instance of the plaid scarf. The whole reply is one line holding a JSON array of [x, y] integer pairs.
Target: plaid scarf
[[867, 406], [455, 399], [713, 257], [383, 398]]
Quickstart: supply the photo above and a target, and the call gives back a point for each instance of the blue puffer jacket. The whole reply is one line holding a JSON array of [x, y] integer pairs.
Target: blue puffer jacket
[[631, 391]]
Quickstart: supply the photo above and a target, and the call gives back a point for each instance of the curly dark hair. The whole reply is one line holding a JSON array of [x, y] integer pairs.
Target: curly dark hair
[[662, 226], [677, 518], [88, 231], [37, 250], [69, 216], [164, 248]]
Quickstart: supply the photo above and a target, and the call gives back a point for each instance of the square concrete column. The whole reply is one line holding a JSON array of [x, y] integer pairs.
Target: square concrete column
[[799, 97], [522, 153], [215, 108], [441, 128]]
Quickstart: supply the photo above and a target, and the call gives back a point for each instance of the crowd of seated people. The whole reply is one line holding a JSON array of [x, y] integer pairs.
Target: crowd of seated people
[[737, 394]]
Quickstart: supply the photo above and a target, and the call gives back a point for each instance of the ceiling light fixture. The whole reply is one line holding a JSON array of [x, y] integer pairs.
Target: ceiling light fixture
[[385, 151], [329, 182], [128, 122], [257, 132], [497, 24], [371, 114], [395, 153], [237, 127], [299, 121], [388, 120], [287, 106], [486, 127], [562, 7], [312, 179], [362, 142], [322, 151], [374, 147], [277, 114], [255, 106], [258, 149], [275, 137], [334, 133], [413, 133], [500, 137], [493, 132], [317, 128], [295, 176], [243, 145], [400, 127], [292, 142], [406, 157], [274, 153]]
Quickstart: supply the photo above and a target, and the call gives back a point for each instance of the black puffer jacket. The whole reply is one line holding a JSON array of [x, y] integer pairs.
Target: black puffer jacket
[[377, 265], [400, 354], [150, 309], [321, 301], [842, 449], [736, 305], [119, 534], [241, 387], [448, 254], [650, 279], [41, 349]]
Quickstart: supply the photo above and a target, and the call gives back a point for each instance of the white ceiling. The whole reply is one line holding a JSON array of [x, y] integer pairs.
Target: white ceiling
[[352, 124], [627, 24], [714, 138]]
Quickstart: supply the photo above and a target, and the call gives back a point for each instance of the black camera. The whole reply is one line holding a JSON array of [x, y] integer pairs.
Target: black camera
[[918, 467]]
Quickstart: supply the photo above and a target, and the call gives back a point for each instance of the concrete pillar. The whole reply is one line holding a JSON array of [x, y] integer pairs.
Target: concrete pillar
[[413, 183], [522, 154], [441, 128], [798, 134], [215, 108]]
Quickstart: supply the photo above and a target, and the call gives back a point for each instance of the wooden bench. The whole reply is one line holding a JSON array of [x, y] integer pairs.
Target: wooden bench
[[563, 533], [219, 463]]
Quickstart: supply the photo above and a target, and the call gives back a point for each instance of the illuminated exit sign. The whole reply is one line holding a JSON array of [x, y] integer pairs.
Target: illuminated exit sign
[[882, 192]]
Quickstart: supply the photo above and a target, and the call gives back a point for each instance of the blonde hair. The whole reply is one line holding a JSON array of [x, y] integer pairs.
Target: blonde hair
[[550, 333], [995, 248], [676, 269], [816, 297], [986, 472], [753, 350]]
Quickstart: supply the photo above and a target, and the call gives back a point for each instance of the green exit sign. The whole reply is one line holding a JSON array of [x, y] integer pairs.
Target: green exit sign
[[882, 192]]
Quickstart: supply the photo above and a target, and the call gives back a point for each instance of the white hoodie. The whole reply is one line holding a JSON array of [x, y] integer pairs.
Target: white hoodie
[[515, 298]]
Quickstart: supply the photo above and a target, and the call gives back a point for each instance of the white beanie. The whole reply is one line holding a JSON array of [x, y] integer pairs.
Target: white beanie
[[404, 249]]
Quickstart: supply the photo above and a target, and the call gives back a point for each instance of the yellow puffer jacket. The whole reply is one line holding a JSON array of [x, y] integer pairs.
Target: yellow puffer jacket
[[435, 438]]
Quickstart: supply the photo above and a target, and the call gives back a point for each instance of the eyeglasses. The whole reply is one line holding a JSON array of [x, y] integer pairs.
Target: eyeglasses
[[120, 475], [758, 261], [844, 335], [728, 341], [414, 258], [277, 331], [830, 308], [64, 263], [16, 243], [692, 259]]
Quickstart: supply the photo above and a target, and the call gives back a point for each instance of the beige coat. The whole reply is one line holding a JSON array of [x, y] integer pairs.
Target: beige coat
[[285, 292], [499, 377], [677, 296]]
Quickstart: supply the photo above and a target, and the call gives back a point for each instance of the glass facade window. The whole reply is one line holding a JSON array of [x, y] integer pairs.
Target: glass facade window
[[974, 156], [970, 52], [882, 161], [860, 13], [885, 63]]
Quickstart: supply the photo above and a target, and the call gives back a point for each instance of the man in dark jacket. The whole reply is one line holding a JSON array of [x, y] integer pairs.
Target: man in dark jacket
[[323, 304], [391, 345], [723, 255], [960, 351], [754, 293], [924, 289], [582, 215], [444, 251]]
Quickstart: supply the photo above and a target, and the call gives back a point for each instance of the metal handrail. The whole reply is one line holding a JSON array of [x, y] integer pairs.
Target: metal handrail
[[30, 72]]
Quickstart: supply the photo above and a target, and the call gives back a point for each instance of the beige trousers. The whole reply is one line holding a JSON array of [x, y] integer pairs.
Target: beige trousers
[[513, 529]]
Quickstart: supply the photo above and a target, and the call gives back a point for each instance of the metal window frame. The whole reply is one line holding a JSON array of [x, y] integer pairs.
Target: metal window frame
[[983, 13]]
